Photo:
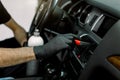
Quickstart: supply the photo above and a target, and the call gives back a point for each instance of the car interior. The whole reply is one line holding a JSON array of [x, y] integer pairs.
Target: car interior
[[95, 22]]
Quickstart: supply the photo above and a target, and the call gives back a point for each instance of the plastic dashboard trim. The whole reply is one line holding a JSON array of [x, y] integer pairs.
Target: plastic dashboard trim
[[111, 6]]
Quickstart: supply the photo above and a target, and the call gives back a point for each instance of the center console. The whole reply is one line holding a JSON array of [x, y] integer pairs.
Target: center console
[[93, 24], [79, 57]]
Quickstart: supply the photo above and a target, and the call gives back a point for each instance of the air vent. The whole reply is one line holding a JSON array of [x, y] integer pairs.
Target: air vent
[[85, 13], [93, 20]]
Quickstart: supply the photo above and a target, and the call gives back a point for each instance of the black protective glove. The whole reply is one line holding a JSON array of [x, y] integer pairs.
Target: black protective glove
[[53, 46]]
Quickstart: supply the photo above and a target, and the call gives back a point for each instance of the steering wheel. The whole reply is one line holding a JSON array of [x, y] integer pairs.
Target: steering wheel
[[43, 15]]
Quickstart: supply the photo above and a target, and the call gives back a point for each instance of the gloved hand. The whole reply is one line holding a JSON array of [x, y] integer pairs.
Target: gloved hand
[[53, 46]]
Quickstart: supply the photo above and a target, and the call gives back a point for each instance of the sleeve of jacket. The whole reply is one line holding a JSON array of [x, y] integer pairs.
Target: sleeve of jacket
[[4, 15]]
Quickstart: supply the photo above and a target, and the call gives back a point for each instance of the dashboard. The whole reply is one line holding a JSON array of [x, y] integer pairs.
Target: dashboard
[[94, 22]]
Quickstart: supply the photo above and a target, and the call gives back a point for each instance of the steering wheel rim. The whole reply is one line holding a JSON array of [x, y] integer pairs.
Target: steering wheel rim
[[41, 18]]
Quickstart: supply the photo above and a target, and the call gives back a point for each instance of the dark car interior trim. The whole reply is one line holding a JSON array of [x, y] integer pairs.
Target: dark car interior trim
[[95, 22], [111, 6]]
